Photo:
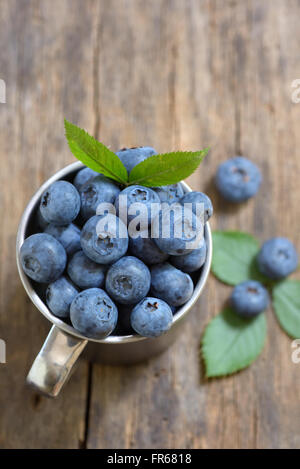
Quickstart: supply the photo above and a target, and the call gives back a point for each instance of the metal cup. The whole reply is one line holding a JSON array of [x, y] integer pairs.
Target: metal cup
[[53, 365]]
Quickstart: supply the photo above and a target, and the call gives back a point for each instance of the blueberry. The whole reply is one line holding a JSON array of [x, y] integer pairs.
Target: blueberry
[[59, 296], [192, 261], [98, 190], [43, 258], [249, 298], [104, 239], [238, 179], [170, 284], [128, 280], [145, 249], [151, 317], [137, 195], [68, 236], [205, 206], [84, 272], [277, 258], [176, 230], [170, 194], [130, 157], [83, 176], [60, 203], [93, 313]]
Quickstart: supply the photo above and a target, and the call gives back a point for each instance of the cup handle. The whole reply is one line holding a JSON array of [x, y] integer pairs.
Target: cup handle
[[52, 367]]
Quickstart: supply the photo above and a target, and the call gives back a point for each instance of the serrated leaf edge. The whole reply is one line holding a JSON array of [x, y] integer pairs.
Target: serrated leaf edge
[[230, 232], [154, 184], [245, 364], [274, 306], [113, 176], [237, 232]]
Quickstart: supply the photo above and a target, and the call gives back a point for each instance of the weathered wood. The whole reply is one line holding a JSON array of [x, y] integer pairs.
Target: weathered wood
[[215, 73], [172, 74], [46, 60]]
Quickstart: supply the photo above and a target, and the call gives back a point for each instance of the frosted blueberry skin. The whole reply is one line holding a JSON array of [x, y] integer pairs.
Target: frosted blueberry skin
[[128, 280], [249, 298], [238, 179], [60, 203], [170, 284], [145, 249], [43, 258], [86, 273], [173, 242], [169, 194], [195, 198], [192, 261], [83, 176], [137, 194], [130, 157], [107, 246], [93, 313], [59, 296], [100, 189], [277, 258], [68, 236], [151, 317]]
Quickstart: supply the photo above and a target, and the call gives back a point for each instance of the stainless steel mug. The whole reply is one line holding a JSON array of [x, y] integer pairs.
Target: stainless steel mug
[[64, 344]]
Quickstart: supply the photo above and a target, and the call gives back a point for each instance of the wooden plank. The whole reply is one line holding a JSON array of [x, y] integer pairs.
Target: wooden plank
[[171, 74], [162, 403], [46, 60], [199, 73], [269, 135]]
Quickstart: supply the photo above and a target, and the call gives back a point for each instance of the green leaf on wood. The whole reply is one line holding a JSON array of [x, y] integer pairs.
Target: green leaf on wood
[[286, 302], [234, 257], [94, 154], [167, 168], [231, 343]]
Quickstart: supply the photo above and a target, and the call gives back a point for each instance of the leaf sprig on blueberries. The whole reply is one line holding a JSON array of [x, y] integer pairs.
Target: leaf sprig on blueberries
[[94, 154], [155, 171]]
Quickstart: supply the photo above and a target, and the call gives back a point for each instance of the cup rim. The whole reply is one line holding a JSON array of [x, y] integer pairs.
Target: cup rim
[[42, 307]]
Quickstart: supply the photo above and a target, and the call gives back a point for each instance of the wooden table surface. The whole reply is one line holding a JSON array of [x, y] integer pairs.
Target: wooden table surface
[[173, 74]]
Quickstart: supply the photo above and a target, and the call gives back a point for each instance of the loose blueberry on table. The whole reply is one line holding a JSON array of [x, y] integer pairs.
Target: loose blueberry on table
[[238, 179], [249, 299], [97, 276], [277, 258]]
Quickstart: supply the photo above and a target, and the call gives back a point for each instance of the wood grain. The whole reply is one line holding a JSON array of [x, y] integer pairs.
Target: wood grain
[[46, 67], [171, 74]]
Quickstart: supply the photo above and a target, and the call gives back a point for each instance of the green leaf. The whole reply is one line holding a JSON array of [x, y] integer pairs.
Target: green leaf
[[234, 257], [231, 343], [167, 168], [286, 302], [94, 154]]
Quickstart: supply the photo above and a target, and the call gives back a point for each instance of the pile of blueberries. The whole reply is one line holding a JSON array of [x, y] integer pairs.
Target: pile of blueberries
[[276, 259], [237, 180], [103, 283]]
